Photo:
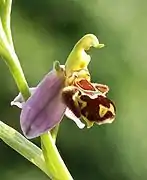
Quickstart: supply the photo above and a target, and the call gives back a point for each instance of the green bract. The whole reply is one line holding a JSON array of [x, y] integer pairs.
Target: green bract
[[6, 44]]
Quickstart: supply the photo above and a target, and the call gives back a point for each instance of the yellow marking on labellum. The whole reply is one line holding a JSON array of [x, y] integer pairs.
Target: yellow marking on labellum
[[103, 110], [111, 109], [89, 123], [83, 104], [75, 97]]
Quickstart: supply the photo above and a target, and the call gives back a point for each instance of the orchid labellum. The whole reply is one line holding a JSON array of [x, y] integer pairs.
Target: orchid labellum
[[67, 90]]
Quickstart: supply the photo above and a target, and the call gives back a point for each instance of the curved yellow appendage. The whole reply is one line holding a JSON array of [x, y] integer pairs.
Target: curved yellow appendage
[[78, 58], [89, 124]]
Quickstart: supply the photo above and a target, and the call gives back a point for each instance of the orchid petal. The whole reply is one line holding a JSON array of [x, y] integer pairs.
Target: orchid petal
[[71, 116], [44, 109], [19, 101]]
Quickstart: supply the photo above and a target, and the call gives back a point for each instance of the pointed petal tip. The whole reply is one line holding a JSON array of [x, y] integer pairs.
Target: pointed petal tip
[[31, 132], [19, 101], [100, 46], [90, 40], [15, 103]]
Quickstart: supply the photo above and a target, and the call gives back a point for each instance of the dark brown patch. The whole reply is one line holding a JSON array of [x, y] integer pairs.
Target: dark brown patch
[[91, 111], [67, 96]]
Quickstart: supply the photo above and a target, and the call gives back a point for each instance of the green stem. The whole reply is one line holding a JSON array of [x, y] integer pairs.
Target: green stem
[[53, 159], [11, 59], [13, 63], [6, 17], [54, 132]]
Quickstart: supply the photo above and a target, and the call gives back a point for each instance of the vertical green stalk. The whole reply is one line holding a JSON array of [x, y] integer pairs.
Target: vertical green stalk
[[54, 132], [5, 10], [53, 159], [13, 63]]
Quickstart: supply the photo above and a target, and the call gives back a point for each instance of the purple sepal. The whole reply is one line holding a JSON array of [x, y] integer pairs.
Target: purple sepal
[[44, 109]]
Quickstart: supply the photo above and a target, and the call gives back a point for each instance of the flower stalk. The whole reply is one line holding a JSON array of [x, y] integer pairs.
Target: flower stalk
[[5, 17], [54, 132], [53, 159]]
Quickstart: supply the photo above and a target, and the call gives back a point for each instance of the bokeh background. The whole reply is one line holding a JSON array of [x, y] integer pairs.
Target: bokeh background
[[46, 30]]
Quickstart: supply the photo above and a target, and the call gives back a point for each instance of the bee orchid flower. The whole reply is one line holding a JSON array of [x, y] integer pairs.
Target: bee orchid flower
[[67, 90]]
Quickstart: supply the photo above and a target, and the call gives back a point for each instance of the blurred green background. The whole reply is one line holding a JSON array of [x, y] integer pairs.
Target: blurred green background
[[46, 30]]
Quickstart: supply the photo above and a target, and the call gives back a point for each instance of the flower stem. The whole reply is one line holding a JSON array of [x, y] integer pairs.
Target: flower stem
[[53, 159], [54, 132], [6, 17], [13, 63]]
